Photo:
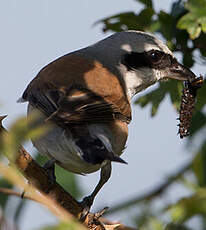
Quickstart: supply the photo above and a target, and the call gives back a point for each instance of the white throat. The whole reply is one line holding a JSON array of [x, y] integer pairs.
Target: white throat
[[137, 81]]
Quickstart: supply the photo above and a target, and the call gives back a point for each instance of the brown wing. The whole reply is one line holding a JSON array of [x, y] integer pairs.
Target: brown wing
[[87, 97], [74, 106]]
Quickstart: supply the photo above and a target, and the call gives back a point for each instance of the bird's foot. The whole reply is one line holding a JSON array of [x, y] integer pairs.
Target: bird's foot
[[86, 205], [101, 212], [50, 170]]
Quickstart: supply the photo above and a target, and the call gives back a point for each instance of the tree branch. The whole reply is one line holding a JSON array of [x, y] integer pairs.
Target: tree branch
[[12, 192]]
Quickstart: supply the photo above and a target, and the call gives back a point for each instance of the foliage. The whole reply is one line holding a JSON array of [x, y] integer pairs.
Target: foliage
[[62, 226], [64, 178], [184, 31], [195, 20]]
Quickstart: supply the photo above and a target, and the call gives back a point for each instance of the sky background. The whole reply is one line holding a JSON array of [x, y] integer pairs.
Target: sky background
[[33, 33]]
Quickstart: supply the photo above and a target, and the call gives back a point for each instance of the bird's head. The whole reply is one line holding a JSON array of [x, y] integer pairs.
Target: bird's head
[[139, 59]]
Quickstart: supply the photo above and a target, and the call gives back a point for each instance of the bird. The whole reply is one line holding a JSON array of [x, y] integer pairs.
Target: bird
[[86, 95]]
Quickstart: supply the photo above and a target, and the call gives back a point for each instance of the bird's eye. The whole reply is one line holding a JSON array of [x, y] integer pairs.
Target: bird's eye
[[155, 55]]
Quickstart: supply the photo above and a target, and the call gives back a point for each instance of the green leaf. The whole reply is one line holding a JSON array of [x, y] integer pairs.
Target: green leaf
[[118, 22], [200, 42], [156, 224], [175, 92], [128, 21], [144, 19], [188, 59], [3, 197], [202, 21], [64, 226], [148, 3], [194, 31], [186, 21], [195, 20], [189, 207], [167, 24], [155, 97], [198, 122], [197, 7], [20, 131], [199, 165], [201, 95], [189, 23], [66, 179], [154, 26], [173, 226]]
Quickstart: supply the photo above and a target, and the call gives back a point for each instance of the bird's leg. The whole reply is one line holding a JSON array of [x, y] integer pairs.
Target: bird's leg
[[88, 200], [49, 166]]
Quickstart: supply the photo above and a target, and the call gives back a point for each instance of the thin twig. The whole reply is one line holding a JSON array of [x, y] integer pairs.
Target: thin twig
[[153, 193], [12, 192]]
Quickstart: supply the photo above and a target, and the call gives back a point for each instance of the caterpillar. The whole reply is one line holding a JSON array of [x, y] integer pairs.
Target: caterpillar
[[187, 105]]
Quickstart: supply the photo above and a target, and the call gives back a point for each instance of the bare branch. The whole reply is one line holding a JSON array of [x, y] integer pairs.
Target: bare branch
[[12, 192]]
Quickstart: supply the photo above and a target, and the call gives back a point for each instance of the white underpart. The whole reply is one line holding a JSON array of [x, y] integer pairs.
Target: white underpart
[[63, 148], [56, 144], [66, 152], [138, 80]]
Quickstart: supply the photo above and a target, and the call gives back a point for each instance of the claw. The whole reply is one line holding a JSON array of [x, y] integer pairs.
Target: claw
[[86, 205], [101, 213]]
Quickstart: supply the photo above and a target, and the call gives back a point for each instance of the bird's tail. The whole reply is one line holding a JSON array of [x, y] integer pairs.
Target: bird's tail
[[116, 158]]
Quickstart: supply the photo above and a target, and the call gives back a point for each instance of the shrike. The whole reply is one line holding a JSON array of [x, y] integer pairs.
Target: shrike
[[86, 94]]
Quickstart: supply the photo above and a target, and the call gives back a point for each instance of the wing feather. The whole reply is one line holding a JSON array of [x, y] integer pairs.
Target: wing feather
[[73, 106], [72, 90]]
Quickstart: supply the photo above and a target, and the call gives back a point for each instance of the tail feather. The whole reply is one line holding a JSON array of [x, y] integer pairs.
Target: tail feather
[[117, 159], [21, 100], [95, 152]]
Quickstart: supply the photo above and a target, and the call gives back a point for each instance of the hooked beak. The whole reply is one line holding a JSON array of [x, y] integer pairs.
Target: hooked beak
[[180, 72]]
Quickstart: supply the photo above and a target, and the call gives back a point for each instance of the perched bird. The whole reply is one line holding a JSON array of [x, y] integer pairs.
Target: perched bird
[[86, 94]]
